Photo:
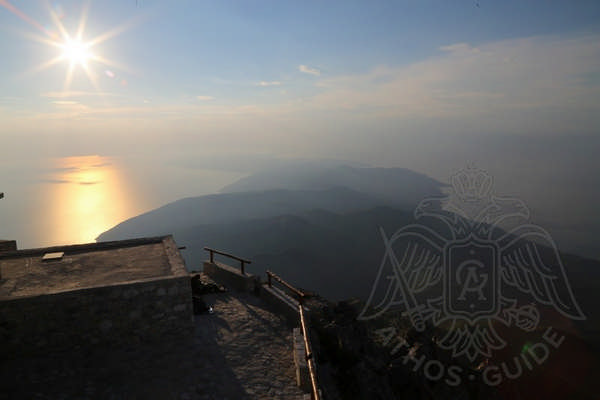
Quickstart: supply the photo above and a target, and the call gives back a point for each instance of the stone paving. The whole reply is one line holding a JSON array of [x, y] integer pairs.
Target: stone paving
[[240, 351], [248, 350]]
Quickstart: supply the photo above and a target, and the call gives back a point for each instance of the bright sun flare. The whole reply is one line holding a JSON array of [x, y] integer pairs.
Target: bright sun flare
[[73, 50], [76, 52]]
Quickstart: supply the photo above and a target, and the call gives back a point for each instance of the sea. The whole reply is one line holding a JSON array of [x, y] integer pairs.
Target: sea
[[70, 200], [53, 201]]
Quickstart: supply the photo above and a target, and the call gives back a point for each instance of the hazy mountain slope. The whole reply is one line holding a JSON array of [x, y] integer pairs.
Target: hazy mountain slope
[[396, 185], [338, 255], [325, 240], [335, 254], [286, 190], [227, 207]]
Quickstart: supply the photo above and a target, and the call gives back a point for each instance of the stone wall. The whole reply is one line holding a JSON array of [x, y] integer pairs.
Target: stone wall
[[281, 303], [231, 277], [117, 316], [302, 374], [8, 245]]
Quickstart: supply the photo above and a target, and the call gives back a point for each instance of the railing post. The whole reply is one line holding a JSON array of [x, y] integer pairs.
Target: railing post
[[315, 395], [310, 361], [242, 261]]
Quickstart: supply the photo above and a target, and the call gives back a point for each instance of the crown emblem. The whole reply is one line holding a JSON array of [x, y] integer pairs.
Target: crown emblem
[[472, 184]]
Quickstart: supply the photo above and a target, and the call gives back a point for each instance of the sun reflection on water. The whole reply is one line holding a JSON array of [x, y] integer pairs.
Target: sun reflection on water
[[90, 196]]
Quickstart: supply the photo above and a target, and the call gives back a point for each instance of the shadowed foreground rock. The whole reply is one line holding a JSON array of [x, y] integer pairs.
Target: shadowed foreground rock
[[357, 362], [354, 365], [240, 351]]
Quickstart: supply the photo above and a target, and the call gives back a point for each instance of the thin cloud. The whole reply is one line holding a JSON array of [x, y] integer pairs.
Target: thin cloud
[[101, 165], [544, 81], [69, 94], [69, 181], [63, 169], [307, 70], [460, 48], [271, 83], [55, 181], [9, 99], [205, 98]]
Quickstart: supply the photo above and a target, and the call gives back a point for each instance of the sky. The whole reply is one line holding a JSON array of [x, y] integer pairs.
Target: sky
[[192, 66], [428, 85], [257, 76]]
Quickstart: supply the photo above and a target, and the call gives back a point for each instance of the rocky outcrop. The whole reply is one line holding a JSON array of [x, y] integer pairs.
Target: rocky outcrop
[[350, 364], [201, 285], [362, 360]]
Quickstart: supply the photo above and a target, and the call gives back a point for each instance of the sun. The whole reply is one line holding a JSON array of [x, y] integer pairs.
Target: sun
[[76, 52]]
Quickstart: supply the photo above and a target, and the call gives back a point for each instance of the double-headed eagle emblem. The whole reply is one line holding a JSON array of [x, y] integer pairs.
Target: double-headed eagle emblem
[[472, 261]]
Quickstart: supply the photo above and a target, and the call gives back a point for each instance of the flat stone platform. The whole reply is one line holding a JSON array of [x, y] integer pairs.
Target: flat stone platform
[[25, 273], [248, 349], [240, 351]]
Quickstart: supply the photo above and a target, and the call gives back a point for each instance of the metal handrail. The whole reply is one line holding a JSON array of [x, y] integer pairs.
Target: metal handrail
[[241, 260], [312, 368], [309, 355], [271, 275]]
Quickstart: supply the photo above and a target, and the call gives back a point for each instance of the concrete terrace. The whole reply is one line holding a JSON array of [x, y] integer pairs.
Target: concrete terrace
[[240, 351], [114, 320], [25, 273], [243, 350], [247, 351]]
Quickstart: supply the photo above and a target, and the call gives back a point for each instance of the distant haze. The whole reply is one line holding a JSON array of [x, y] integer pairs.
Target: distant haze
[[185, 99], [555, 178]]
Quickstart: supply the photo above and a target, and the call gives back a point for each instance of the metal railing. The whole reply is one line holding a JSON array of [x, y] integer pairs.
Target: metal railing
[[299, 293], [312, 368], [310, 361], [301, 296], [242, 261]]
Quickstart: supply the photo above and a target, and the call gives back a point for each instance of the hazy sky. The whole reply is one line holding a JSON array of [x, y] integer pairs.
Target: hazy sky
[[426, 85], [275, 74]]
